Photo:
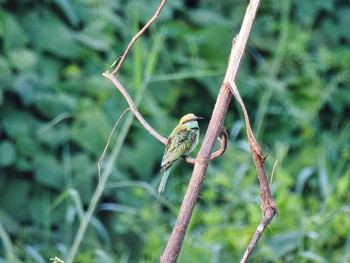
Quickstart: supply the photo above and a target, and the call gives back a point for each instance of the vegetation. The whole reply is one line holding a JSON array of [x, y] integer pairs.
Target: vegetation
[[57, 112]]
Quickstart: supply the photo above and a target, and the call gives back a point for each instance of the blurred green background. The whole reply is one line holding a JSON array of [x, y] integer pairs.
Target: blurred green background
[[57, 111]]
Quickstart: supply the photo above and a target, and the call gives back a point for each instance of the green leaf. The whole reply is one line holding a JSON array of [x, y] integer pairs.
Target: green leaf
[[7, 153], [18, 124], [51, 105], [42, 25], [91, 129], [48, 171], [11, 32], [68, 9], [14, 198], [6, 75], [23, 59], [95, 37]]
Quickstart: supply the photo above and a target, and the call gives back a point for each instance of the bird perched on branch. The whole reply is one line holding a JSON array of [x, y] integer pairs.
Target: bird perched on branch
[[182, 141]]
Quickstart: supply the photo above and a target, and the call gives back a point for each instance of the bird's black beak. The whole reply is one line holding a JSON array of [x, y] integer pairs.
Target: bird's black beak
[[198, 118]]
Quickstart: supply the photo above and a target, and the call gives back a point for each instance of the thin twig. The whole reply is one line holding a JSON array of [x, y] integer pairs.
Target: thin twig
[[223, 141], [133, 40], [273, 172], [133, 107], [99, 163], [255, 239], [96, 196]]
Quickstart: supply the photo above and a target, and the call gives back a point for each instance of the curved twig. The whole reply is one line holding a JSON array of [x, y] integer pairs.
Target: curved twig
[[268, 205], [133, 40], [224, 138], [100, 161], [214, 155]]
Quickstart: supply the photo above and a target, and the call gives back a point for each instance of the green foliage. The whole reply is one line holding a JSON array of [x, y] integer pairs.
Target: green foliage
[[57, 112]]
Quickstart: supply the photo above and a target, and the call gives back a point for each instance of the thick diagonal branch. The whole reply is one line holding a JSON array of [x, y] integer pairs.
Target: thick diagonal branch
[[174, 245]]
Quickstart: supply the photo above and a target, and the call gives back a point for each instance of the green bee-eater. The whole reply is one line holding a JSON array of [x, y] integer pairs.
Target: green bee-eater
[[181, 142]]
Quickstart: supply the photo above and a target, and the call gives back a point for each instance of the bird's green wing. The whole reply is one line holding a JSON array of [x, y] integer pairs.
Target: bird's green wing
[[179, 143]]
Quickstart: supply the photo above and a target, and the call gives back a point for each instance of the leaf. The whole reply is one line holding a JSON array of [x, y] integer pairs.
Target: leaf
[[95, 37], [7, 153], [15, 197], [68, 9], [12, 33], [48, 171], [54, 136], [313, 257], [91, 129], [17, 124], [42, 24], [26, 85], [51, 105], [5, 76], [303, 176], [285, 242], [23, 59]]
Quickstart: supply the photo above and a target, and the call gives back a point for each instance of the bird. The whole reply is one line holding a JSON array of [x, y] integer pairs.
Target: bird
[[182, 140]]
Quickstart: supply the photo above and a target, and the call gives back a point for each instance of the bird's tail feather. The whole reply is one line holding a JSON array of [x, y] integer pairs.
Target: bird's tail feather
[[162, 184]]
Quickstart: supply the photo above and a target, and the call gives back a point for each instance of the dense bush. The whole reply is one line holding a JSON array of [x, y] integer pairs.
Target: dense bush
[[57, 112]]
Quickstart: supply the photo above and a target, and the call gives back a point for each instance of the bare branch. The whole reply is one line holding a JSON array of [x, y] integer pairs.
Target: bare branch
[[268, 206], [133, 107], [215, 129], [133, 40], [174, 245], [267, 201], [255, 239]]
